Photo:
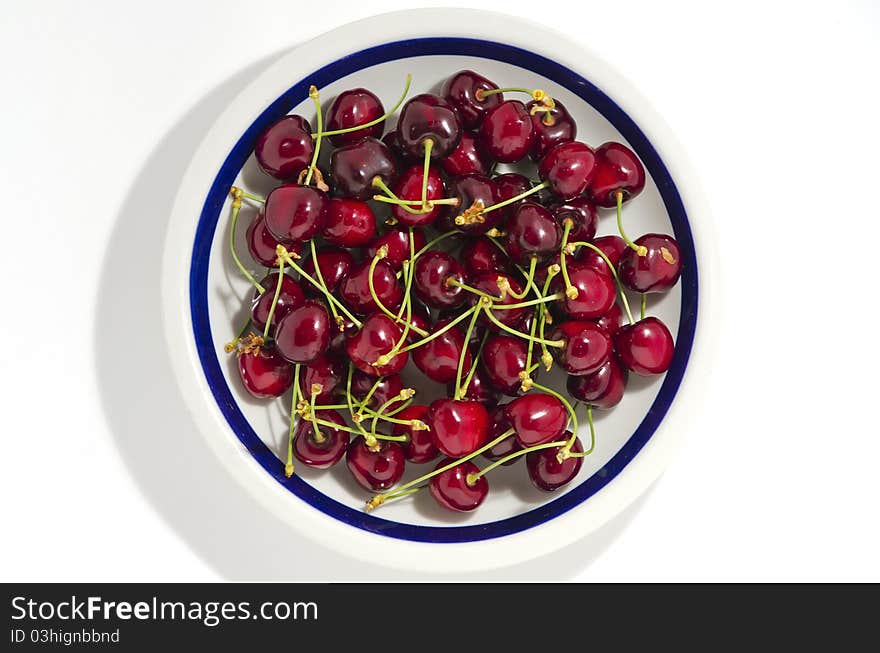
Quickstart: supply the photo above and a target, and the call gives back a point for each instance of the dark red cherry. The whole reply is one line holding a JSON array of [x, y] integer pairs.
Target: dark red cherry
[[409, 187], [285, 148], [499, 424], [488, 283], [507, 133], [324, 449], [532, 231], [510, 185], [387, 388], [617, 169], [504, 357], [472, 191], [467, 158], [479, 388], [420, 318], [354, 166], [375, 470], [349, 223], [536, 418], [377, 336], [334, 265], [355, 287], [451, 490], [398, 244], [545, 470], [431, 280], [328, 371], [290, 297], [304, 333], [587, 347], [458, 427], [603, 388], [596, 292], [392, 141], [481, 255], [551, 128], [461, 91], [612, 246], [438, 359], [351, 108], [611, 322], [339, 336], [426, 117], [583, 215], [645, 347], [265, 374], [568, 168], [420, 447], [260, 243], [657, 271], [295, 213]]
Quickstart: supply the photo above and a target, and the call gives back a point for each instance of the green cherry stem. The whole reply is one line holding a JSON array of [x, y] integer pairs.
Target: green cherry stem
[[605, 258], [288, 465], [525, 336], [316, 389], [530, 275], [313, 93], [451, 201], [452, 281], [366, 400], [568, 407], [324, 289], [570, 291], [472, 478], [274, 299], [229, 347], [516, 198], [546, 357], [390, 197], [462, 354], [369, 412], [355, 417], [380, 414], [532, 302], [592, 437], [470, 376], [382, 253], [431, 243], [439, 332], [236, 207], [641, 250], [644, 305], [429, 145], [545, 102], [367, 125], [254, 198], [532, 328]]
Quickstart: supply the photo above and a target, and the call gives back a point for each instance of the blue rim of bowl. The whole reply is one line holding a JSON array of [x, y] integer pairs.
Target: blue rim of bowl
[[216, 199]]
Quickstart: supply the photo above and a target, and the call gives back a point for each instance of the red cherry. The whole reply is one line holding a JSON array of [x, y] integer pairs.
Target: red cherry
[[326, 370], [355, 287], [568, 168], [551, 128], [334, 265], [507, 133], [617, 169], [460, 90], [340, 336], [397, 241], [260, 243], [595, 292], [488, 283], [377, 336], [392, 141], [472, 190], [657, 271], [645, 347], [304, 333], [387, 387], [438, 358], [265, 374], [295, 213], [285, 148], [431, 280], [349, 223], [510, 185], [420, 448], [375, 470], [587, 347], [351, 108], [409, 187], [479, 389], [290, 297], [428, 117], [354, 166], [545, 470], [451, 490], [324, 450], [612, 246], [583, 215], [532, 231], [504, 357], [458, 427], [481, 255], [603, 388], [498, 425], [467, 158], [611, 322], [536, 418]]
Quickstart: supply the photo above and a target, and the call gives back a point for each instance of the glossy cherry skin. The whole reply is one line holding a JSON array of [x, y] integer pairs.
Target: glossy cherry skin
[[657, 271], [387, 388], [568, 168], [536, 418], [551, 128], [260, 243], [596, 292], [458, 427], [532, 231], [506, 133], [611, 322], [409, 187], [467, 159], [392, 141], [353, 168], [617, 169], [420, 447], [398, 244], [472, 190], [355, 287], [479, 388], [339, 337], [481, 255], [612, 246], [285, 148], [460, 90], [375, 470], [424, 117], [349, 223], [330, 450], [509, 185], [488, 283], [377, 336], [354, 107], [603, 388], [545, 470], [499, 424], [583, 215], [438, 359], [504, 357], [290, 297], [304, 333], [451, 490], [265, 374], [295, 213], [328, 371], [430, 280], [587, 346], [420, 318], [645, 347], [334, 265]]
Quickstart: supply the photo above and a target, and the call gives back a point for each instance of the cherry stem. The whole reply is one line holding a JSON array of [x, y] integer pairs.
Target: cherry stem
[[349, 397], [380, 414], [605, 258], [452, 281], [274, 299], [570, 291], [451, 201], [532, 302], [288, 465], [367, 125], [406, 306], [644, 305], [431, 243], [369, 412], [229, 347], [472, 478], [429, 145], [439, 332], [592, 437], [546, 358], [517, 198], [537, 94], [532, 327], [237, 194], [252, 197], [324, 288], [313, 93], [378, 257], [568, 407], [316, 389], [348, 429], [525, 336], [529, 277], [641, 250], [461, 355], [470, 376], [282, 251], [391, 198]]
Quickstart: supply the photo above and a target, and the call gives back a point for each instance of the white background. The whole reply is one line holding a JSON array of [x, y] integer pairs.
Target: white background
[[777, 105]]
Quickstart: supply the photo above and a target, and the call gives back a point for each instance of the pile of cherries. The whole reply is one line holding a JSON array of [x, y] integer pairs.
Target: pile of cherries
[[413, 245]]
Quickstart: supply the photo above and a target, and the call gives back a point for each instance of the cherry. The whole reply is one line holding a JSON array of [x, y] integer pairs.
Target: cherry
[[351, 108], [507, 133], [657, 271], [481, 255], [595, 292], [303, 334], [290, 297], [458, 427], [420, 447], [386, 388], [438, 358], [475, 191], [397, 241], [392, 141], [409, 187], [545, 470], [375, 470], [510, 185], [334, 265], [295, 213], [504, 358], [468, 158], [431, 276], [582, 213], [612, 246], [611, 322], [340, 336], [645, 347], [488, 283], [479, 389], [285, 148], [355, 166], [568, 168], [420, 318], [498, 425], [536, 418], [603, 388], [326, 370], [355, 287], [428, 117], [349, 223], [264, 373], [587, 347], [532, 231], [617, 169], [551, 128], [377, 336], [451, 490], [324, 449], [460, 90], [260, 243]]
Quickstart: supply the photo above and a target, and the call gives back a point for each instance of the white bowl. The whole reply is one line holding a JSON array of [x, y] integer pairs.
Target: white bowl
[[204, 295]]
